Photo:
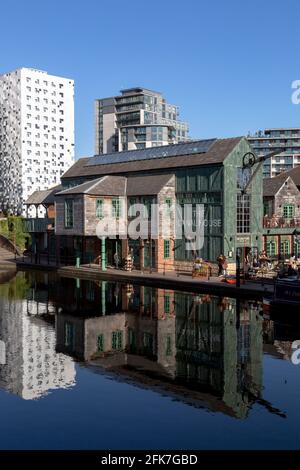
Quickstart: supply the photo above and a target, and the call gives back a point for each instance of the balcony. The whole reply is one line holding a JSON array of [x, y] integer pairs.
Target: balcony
[[281, 222], [38, 225]]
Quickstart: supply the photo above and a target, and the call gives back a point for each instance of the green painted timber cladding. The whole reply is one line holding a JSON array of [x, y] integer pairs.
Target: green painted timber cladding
[[232, 240], [216, 187], [202, 185]]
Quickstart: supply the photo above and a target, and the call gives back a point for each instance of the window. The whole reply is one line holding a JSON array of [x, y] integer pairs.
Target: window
[[148, 343], [100, 343], [147, 207], [132, 202], [243, 177], [297, 248], [243, 213], [267, 209], [90, 293], [69, 335], [69, 213], [285, 248], [166, 249], [116, 208], [117, 340], [288, 211], [167, 303], [168, 345], [271, 248], [99, 208], [169, 205]]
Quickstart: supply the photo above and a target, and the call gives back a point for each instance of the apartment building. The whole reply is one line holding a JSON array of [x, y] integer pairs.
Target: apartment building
[[36, 134], [136, 119], [286, 140]]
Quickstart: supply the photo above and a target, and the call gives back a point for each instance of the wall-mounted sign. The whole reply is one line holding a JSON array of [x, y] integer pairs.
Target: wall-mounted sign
[[245, 240]]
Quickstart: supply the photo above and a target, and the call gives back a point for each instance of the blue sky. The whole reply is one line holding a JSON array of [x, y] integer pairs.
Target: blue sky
[[228, 64]]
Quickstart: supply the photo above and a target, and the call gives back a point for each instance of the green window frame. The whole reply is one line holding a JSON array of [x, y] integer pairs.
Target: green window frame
[[168, 345], [132, 339], [132, 201], [266, 209], [166, 249], [285, 248], [69, 213], [99, 208], [147, 207], [168, 203], [90, 292], [69, 335], [297, 248], [100, 343], [167, 303], [271, 248], [148, 342], [288, 211], [117, 340], [116, 208]]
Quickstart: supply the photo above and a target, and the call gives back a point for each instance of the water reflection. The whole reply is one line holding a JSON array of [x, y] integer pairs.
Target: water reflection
[[30, 365], [205, 351]]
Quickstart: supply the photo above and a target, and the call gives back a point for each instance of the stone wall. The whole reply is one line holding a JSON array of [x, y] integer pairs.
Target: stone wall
[[91, 220], [288, 194]]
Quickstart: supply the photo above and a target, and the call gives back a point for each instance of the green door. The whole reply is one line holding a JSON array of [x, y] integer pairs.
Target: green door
[[134, 246], [149, 254]]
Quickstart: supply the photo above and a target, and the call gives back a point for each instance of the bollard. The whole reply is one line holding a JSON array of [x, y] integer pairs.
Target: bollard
[[77, 262]]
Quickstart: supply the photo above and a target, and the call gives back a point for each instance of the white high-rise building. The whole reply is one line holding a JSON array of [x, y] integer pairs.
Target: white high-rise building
[[36, 133]]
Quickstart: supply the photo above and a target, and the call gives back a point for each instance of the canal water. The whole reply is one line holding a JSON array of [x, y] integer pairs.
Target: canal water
[[98, 365]]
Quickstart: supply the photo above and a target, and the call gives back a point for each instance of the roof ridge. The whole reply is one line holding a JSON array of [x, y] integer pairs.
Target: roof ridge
[[95, 184]]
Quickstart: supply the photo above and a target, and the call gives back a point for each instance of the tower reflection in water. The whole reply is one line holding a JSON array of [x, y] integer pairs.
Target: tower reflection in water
[[203, 350], [29, 364]]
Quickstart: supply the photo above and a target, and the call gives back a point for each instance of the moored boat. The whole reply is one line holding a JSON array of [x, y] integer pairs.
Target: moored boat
[[286, 292]]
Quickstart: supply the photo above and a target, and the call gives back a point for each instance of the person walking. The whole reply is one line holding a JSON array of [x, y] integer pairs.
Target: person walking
[[220, 261]]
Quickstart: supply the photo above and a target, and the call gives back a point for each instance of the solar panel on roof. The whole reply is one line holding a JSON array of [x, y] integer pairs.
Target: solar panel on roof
[[164, 151]]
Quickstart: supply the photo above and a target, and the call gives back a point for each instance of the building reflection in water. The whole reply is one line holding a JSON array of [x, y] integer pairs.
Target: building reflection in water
[[30, 366], [203, 350]]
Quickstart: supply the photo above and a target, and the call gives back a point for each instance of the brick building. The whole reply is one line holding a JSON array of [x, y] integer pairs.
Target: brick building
[[281, 222], [207, 173]]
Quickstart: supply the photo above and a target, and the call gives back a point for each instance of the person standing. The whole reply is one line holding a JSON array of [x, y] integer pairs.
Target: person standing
[[224, 266], [116, 260], [220, 261]]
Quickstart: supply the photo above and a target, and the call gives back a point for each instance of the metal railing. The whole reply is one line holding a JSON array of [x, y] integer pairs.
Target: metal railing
[[281, 222], [38, 225]]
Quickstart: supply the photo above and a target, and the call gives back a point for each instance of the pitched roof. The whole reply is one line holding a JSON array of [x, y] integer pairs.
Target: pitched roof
[[106, 185], [272, 185], [294, 173], [45, 197], [215, 154], [146, 185], [120, 186]]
